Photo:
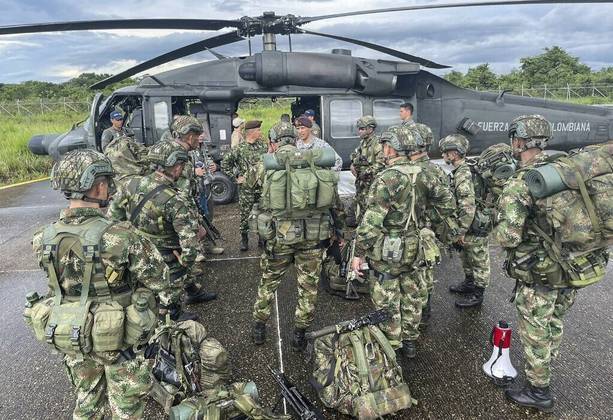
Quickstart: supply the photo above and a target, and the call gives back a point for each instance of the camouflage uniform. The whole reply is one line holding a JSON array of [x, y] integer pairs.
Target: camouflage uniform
[[111, 134], [367, 160], [243, 161], [130, 261], [307, 256], [399, 287], [128, 158], [316, 130]]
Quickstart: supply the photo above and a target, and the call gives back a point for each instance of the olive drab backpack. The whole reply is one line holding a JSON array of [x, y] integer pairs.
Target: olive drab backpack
[[483, 221], [574, 211], [186, 362], [357, 374], [77, 325]]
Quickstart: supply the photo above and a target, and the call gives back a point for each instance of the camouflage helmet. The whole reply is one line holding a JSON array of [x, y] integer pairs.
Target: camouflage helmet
[[425, 132], [76, 172], [534, 128], [366, 121], [456, 142], [282, 131], [496, 162], [402, 139], [167, 154], [184, 124]]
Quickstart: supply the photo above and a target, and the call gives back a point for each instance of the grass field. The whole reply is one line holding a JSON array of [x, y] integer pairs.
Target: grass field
[[16, 162]]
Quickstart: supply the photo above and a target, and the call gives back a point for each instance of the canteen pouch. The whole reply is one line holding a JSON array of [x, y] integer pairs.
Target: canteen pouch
[[482, 223], [326, 187], [325, 227], [69, 329], [265, 226], [108, 330], [530, 266], [276, 197], [39, 317], [429, 251], [139, 325], [143, 292], [392, 249], [290, 232], [215, 369], [311, 228], [253, 219]]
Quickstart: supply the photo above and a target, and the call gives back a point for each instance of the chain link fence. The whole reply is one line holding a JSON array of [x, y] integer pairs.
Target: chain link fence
[[43, 106]]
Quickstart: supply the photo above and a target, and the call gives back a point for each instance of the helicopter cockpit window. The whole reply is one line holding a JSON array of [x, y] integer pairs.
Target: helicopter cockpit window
[[160, 110], [343, 115], [385, 112]]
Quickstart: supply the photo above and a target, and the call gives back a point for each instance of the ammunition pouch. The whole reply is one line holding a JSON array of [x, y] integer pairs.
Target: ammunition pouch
[[317, 227], [69, 328], [429, 253], [108, 327], [396, 248], [482, 223]]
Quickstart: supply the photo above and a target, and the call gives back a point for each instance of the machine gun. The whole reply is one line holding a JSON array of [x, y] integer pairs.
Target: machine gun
[[372, 318], [300, 405]]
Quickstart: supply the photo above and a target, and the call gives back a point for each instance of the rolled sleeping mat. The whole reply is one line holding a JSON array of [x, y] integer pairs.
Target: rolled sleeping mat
[[544, 181], [504, 171], [324, 158]]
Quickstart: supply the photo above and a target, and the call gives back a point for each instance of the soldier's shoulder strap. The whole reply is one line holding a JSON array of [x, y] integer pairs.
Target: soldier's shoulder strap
[[150, 195]]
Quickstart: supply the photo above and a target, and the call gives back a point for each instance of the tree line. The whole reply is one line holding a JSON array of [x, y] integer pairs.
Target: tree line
[[553, 68]]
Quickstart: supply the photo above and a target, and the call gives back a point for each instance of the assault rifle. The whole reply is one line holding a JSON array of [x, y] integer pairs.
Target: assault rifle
[[372, 318], [300, 405], [203, 189], [345, 272]]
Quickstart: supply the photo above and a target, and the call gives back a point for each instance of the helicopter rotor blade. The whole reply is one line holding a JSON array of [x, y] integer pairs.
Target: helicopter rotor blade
[[216, 41], [304, 20], [186, 24], [398, 54], [216, 54]]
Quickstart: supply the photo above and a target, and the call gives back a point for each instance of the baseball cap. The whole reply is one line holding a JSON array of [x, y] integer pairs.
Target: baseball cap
[[309, 113], [116, 115]]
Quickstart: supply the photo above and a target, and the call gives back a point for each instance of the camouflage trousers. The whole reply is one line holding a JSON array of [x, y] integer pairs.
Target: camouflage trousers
[[360, 198], [402, 296], [475, 259], [276, 259], [540, 311], [428, 281], [247, 197], [123, 384]]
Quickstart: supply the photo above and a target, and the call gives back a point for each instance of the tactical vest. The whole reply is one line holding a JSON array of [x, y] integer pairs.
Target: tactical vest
[[97, 318], [296, 201], [406, 242]]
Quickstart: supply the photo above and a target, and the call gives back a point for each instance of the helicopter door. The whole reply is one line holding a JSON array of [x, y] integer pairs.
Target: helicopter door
[[92, 121], [159, 118], [339, 114]]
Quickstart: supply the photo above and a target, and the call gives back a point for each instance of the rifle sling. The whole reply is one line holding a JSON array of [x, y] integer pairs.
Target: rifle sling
[[151, 194]]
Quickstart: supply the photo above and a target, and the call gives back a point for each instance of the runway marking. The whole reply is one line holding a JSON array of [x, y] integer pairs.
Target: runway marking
[[279, 342], [253, 257], [24, 183], [33, 270]]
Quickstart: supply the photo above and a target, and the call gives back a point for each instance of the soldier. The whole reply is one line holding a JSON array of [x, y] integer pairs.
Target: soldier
[[242, 163], [473, 245], [284, 248], [115, 130], [129, 261], [366, 161], [315, 129], [127, 157], [406, 114], [392, 239], [307, 140], [154, 205], [541, 305], [422, 159]]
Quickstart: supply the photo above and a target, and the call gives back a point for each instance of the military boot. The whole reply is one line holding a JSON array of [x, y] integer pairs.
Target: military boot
[[261, 243], [298, 341], [259, 333], [178, 314], [464, 287], [425, 313], [408, 349], [471, 300], [532, 396], [197, 294], [244, 241]]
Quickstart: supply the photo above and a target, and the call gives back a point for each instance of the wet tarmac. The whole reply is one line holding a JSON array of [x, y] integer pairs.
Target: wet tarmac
[[446, 377]]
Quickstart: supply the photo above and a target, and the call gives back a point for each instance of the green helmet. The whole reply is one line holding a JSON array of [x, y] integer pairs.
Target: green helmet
[[534, 128], [76, 172], [456, 142], [426, 133], [184, 124], [167, 154], [402, 139], [282, 131], [496, 162], [366, 121]]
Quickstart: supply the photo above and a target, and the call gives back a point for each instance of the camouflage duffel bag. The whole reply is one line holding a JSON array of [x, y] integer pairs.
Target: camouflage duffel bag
[[357, 374]]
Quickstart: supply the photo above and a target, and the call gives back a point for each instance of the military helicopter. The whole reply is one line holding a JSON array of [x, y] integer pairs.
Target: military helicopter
[[338, 86]]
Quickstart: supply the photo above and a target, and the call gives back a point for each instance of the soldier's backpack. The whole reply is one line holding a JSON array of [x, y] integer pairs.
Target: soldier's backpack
[[186, 362], [236, 401], [357, 374], [574, 210]]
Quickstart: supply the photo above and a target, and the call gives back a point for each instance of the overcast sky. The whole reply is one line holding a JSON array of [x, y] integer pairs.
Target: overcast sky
[[461, 38]]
